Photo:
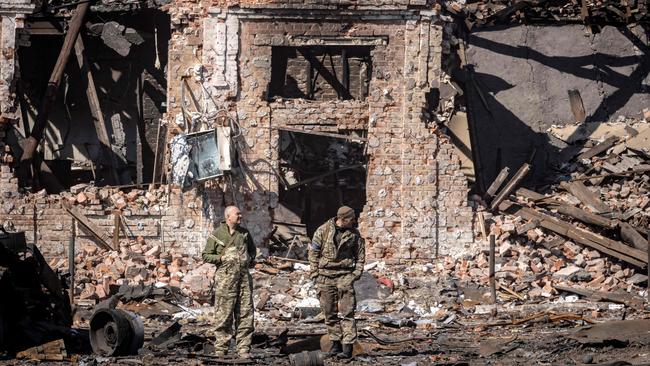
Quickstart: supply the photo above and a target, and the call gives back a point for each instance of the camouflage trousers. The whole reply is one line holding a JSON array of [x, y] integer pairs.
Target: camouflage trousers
[[233, 307], [337, 297]]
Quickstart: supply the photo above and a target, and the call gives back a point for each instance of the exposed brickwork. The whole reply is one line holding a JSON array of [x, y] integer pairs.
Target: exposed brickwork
[[416, 196], [175, 220], [324, 4], [330, 116], [11, 19], [416, 201]]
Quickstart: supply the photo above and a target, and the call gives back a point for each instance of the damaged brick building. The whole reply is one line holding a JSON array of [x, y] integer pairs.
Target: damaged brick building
[[360, 74], [127, 126]]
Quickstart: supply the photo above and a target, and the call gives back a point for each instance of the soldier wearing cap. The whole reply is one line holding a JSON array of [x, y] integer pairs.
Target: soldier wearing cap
[[336, 258]]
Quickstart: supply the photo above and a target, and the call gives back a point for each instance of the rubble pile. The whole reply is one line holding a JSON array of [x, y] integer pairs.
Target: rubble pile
[[100, 272], [91, 197], [485, 13], [531, 265], [589, 231]]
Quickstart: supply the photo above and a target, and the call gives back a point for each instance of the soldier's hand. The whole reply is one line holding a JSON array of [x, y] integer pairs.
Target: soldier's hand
[[313, 276], [356, 275], [349, 281]]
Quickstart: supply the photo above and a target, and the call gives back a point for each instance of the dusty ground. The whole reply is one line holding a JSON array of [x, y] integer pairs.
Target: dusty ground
[[471, 340], [428, 320]]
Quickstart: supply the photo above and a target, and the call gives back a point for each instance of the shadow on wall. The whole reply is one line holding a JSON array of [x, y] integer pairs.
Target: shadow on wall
[[517, 82], [503, 139]]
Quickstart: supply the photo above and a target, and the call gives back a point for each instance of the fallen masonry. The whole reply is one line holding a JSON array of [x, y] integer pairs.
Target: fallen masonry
[[496, 155]]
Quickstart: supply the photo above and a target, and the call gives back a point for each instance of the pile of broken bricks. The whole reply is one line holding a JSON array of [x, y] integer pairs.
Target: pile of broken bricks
[[483, 13], [89, 196], [99, 271], [587, 232]]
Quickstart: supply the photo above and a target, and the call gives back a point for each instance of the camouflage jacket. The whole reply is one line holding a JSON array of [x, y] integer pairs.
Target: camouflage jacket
[[223, 247], [328, 259]]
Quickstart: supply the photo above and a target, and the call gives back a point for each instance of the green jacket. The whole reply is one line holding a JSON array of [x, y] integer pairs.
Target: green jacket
[[221, 246], [325, 258]]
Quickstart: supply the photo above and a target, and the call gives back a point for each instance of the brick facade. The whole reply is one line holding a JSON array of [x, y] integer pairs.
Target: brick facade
[[416, 197]]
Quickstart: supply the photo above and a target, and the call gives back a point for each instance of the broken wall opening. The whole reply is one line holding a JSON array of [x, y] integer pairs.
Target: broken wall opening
[[126, 56], [321, 174], [321, 72]]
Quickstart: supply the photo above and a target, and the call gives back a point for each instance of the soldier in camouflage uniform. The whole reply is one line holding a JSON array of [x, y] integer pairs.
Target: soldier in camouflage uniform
[[231, 248], [336, 258]]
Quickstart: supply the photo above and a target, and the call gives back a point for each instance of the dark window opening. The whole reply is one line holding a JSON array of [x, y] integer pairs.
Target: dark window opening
[[319, 175], [126, 55], [321, 73]]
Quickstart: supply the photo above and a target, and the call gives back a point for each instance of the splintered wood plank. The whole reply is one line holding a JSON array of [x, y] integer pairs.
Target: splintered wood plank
[[511, 186], [503, 174], [587, 197], [601, 147], [632, 237], [581, 236], [577, 107]]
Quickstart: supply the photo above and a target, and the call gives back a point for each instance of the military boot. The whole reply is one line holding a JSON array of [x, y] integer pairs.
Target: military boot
[[335, 350], [346, 352]]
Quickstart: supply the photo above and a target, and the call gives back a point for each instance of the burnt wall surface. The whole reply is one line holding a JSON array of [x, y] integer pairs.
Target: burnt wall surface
[[523, 73], [131, 89]]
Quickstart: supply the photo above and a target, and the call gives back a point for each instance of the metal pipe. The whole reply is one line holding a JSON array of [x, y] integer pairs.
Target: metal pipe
[[493, 289]]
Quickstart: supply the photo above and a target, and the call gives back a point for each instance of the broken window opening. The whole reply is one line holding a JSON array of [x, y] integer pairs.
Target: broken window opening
[[322, 174], [115, 72], [321, 72]]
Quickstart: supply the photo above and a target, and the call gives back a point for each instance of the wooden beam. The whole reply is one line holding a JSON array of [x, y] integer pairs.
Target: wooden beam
[[599, 148], [140, 132], [632, 237], [639, 169], [585, 216], [564, 209], [494, 187], [512, 184], [577, 107], [327, 75], [116, 228], [346, 69], [95, 110], [71, 255], [318, 133], [321, 176], [31, 143], [628, 299], [139, 164], [102, 240], [529, 194], [587, 197], [581, 236], [492, 278]]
